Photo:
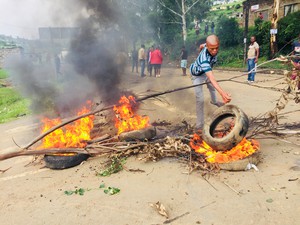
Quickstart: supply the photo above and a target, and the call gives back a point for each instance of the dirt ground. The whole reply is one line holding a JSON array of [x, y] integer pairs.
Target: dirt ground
[[32, 194]]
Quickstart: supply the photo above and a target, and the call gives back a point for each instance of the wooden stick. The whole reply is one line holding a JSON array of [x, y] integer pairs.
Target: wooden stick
[[25, 152], [137, 100], [102, 138], [237, 192]]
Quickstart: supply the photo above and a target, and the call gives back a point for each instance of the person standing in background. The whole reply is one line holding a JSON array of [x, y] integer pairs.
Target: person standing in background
[[296, 59], [183, 62], [134, 58], [156, 61], [212, 27], [149, 61], [252, 58], [206, 29], [142, 59]]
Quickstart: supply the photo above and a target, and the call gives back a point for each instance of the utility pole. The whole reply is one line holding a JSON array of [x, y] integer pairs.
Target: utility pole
[[246, 16], [273, 31]]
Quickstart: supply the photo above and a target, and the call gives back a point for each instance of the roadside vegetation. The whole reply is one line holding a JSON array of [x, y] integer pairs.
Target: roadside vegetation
[[12, 104], [229, 30]]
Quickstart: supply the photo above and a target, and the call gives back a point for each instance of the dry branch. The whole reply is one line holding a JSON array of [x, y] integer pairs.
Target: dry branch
[[111, 107]]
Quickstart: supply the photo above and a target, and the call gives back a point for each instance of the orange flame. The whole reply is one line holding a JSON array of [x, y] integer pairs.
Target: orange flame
[[126, 117], [243, 149], [72, 135]]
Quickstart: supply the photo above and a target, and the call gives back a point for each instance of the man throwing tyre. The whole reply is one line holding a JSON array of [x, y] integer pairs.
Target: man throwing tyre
[[201, 71]]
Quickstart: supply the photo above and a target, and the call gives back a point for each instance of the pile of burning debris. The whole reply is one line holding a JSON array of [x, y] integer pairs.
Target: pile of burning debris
[[69, 145]]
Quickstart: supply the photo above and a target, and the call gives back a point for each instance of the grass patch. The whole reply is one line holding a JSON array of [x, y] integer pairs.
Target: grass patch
[[12, 105], [3, 74]]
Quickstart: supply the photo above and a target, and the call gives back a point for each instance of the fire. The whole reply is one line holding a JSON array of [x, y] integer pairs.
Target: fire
[[243, 149], [126, 117], [72, 135]]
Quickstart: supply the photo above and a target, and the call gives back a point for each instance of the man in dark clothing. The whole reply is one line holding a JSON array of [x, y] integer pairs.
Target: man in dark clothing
[[206, 29], [212, 27], [183, 63], [296, 60], [296, 50], [134, 58], [57, 66]]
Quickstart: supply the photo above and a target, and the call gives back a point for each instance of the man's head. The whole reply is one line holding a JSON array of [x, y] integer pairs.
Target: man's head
[[252, 39], [212, 44], [183, 47], [142, 45]]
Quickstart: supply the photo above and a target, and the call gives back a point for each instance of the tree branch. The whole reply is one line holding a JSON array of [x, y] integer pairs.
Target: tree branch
[[189, 8], [168, 8]]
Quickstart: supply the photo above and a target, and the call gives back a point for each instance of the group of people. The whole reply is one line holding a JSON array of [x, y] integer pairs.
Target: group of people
[[152, 60], [202, 73], [206, 28]]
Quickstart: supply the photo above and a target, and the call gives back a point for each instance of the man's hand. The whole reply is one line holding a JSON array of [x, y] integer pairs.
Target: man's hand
[[226, 97], [255, 60]]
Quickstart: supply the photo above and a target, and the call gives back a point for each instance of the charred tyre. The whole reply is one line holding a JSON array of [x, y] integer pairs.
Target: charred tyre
[[236, 132], [60, 162]]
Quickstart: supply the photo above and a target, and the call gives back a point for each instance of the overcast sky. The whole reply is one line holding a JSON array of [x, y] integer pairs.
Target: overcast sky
[[23, 17]]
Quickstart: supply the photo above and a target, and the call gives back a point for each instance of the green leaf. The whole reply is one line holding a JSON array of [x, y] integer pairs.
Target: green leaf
[[69, 192], [115, 166], [81, 191], [112, 190], [102, 185], [269, 200]]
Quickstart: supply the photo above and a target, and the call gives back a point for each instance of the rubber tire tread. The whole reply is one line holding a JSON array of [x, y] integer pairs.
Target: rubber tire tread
[[64, 162], [235, 136]]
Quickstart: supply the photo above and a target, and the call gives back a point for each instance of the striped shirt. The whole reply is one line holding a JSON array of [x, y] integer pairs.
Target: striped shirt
[[203, 63]]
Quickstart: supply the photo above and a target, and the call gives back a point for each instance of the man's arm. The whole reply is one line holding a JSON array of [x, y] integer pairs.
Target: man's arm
[[257, 54], [201, 47], [225, 96]]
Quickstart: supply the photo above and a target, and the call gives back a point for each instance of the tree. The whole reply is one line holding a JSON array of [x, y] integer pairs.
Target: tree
[[181, 8], [229, 32]]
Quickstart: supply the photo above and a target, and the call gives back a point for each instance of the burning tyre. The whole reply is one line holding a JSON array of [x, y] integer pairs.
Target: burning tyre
[[225, 128], [64, 161]]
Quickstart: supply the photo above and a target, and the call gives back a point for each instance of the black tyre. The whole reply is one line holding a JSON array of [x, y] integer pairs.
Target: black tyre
[[63, 162], [232, 132]]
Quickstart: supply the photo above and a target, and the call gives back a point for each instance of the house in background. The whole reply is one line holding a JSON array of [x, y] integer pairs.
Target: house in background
[[264, 8]]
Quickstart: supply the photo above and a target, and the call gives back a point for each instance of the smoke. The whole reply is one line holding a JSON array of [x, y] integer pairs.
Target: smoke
[[96, 52], [92, 67]]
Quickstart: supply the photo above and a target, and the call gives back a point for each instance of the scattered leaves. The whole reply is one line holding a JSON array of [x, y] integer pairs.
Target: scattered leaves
[[79, 191], [111, 190], [115, 166], [269, 200]]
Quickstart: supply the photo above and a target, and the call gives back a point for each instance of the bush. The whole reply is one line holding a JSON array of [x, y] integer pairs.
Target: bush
[[229, 32], [231, 56], [288, 29], [237, 6]]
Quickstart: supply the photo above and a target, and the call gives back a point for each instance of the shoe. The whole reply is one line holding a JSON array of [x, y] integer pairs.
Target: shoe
[[219, 104], [158, 75]]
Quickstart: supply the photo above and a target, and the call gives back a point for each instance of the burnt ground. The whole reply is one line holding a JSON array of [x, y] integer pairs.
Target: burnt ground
[[32, 194]]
